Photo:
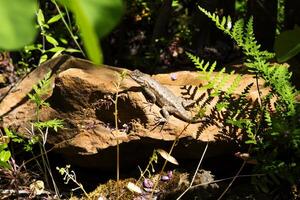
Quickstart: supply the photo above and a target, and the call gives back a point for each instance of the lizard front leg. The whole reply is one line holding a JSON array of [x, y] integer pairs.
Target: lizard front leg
[[165, 111], [150, 94]]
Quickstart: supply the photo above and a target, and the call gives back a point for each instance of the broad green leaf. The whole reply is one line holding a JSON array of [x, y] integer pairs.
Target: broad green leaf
[[57, 53], [17, 23], [32, 47], [88, 34], [63, 40], [104, 15], [3, 146], [287, 44], [95, 20]]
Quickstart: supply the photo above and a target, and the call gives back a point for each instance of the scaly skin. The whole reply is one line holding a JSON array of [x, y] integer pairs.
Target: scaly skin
[[164, 97]]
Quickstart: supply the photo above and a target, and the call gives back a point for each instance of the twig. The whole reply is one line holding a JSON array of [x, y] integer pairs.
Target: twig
[[234, 178], [165, 163], [225, 179], [197, 169]]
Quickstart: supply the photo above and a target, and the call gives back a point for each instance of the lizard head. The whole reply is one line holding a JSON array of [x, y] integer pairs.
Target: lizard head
[[137, 73], [137, 76]]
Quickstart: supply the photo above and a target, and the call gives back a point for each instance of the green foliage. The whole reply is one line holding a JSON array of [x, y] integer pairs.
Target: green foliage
[[41, 89], [4, 155], [48, 39], [216, 82], [95, 19], [12, 136], [241, 6], [54, 124], [17, 23], [274, 137], [276, 76], [287, 44]]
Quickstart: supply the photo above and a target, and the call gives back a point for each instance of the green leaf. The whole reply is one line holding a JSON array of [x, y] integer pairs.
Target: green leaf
[[51, 40], [88, 34], [3, 146], [56, 49], [17, 23], [54, 19], [5, 165], [71, 50], [57, 53], [4, 156], [287, 44], [95, 20], [104, 15], [43, 58], [40, 18]]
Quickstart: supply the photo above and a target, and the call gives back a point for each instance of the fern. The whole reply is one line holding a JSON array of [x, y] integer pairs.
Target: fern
[[54, 124], [271, 134], [41, 89], [215, 82], [275, 76], [225, 24]]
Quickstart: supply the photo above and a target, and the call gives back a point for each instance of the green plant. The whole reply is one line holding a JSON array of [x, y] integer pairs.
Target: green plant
[[215, 82], [37, 134], [38, 97], [48, 38], [272, 131], [17, 21], [39, 90], [149, 168], [116, 116], [5, 153], [94, 18]]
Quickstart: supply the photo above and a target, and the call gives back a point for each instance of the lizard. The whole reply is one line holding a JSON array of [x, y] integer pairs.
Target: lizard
[[165, 98]]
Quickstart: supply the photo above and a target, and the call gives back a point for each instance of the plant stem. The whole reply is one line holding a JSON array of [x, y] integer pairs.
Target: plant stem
[[197, 169], [68, 28]]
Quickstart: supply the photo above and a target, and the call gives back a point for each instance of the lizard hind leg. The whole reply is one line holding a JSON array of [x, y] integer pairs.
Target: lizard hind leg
[[165, 113]]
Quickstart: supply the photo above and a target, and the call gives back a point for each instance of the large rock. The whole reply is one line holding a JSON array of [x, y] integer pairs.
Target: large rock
[[83, 96]]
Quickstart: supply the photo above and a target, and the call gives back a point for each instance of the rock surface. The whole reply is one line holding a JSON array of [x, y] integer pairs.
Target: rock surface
[[83, 95]]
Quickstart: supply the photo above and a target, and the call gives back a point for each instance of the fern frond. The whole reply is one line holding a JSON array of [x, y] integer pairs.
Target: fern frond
[[234, 84], [225, 24], [206, 68], [268, 118], [257, 60], [216, 82], [238, 31], [196, 61]]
